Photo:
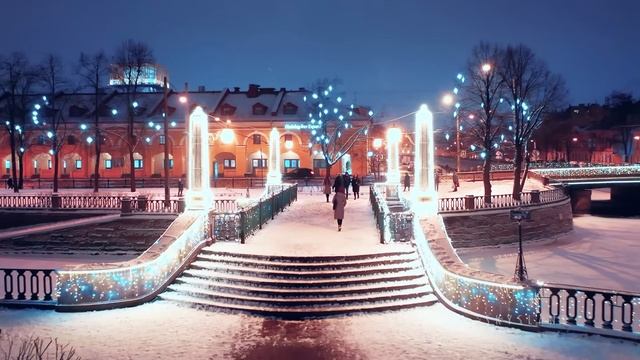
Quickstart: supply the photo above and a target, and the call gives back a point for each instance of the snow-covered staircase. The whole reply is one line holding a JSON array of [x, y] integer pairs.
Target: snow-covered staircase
[[297, 287]]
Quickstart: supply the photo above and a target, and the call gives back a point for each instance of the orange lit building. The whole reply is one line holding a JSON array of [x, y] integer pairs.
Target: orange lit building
[[244, 117]]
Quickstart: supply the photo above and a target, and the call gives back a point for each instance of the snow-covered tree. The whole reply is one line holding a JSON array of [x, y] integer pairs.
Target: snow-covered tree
[[330, 125]]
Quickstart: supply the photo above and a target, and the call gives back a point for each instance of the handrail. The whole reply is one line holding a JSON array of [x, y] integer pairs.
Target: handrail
[[393, 226], [500, 201]]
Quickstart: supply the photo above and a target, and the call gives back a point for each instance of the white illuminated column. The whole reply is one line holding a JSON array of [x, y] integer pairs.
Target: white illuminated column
[[199, 195], [393, 156], [274, 177], [424, 163]]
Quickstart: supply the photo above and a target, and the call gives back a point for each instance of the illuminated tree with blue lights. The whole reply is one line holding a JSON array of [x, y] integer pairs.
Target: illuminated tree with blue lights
[[330, 125]]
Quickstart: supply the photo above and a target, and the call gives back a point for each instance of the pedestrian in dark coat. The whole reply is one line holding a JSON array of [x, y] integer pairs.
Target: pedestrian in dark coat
[[456, 181], [339, 202], [338, 184], [327, 187], [10, 183], [407, 182], [355, 184], [347, 183], [180, 187]]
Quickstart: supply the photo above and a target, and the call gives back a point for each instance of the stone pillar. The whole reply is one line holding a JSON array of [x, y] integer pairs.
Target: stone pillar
[[199, 195], [535, 196], [142, 202], [56, 201], [469, 203], [580, 200], [125, 205], [393, 155], [274, 176], [424, 163]]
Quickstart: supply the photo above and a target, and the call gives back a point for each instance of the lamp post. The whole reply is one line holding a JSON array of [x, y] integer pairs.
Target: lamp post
[[520, 215], [165, 116], [447, 100]]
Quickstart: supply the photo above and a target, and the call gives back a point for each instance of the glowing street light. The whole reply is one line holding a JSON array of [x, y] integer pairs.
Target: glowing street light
[[486, 68], [377, 143], [182, 99], [226, 136], [447, 100]]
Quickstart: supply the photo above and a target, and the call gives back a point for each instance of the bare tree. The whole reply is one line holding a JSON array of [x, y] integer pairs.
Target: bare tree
[[93, 69], [131, 61], [481, 96], [54, 83], [16, 78], [624, 117], [532, 91]]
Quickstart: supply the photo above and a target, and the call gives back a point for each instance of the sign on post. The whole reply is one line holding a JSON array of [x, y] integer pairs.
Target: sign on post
[[519, 214]]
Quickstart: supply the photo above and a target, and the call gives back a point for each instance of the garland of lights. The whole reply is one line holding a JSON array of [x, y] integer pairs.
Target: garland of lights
[[590, 172], [133, 279]]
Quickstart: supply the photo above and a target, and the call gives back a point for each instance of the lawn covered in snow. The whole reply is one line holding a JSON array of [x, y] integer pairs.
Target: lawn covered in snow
[[161, 330]]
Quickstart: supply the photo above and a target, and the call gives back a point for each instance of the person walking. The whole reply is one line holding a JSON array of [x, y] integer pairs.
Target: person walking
[[355, 185], [347, 182], [436, 178], [456, 181], [180, 187], [327, 187], [339, 202], [338, 183], [407, 182], [10, 183]]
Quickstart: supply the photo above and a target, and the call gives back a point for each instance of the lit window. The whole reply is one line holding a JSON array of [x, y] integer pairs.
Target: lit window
[[162, 139], [7, 166], [48, 164], [259, 163], [170, 164], [291, 163], [137, 164], [108, 164], [229, 163], [78, 164], [256, 139]]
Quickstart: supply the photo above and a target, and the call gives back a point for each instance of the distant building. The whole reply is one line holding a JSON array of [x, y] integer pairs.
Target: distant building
[[150, 78], [239, 125]]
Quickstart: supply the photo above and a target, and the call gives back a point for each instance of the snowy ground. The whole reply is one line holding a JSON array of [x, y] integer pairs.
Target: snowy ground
[[307, 228], [161, 330], [599, 252]]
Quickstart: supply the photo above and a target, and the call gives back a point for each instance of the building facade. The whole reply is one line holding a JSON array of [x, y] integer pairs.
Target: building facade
[[239, 127]]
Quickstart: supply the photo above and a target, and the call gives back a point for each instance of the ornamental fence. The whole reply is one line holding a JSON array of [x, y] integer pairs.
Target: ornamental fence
[[126, 204], [24, 285], [237, 221], [501, 201], [395, 222], [591, 310]]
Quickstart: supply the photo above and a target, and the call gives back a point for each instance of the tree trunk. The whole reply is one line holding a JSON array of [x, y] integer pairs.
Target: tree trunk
[[96, 168], [56, 161], [486, 179], [13, 162], [517, 170], [327, 174], [132, 174]]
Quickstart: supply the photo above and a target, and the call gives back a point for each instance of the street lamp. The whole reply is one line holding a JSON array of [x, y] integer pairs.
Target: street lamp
[[486, 68], [447, 100]]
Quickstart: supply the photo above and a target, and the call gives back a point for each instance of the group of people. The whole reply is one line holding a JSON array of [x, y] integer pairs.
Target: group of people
[[454, 180], [340, 186], [11, 184]]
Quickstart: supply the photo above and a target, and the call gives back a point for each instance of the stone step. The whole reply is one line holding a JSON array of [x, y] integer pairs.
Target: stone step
[[309, 259], [265, 291], [303, 274], [301, 311], [221, 276], [300, 265], [263, 301]]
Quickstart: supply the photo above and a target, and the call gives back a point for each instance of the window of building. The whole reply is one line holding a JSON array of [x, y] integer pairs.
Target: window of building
[[259, 109], [49, 164], [170, 164], [7, 166], [229, 163], [36, 171], [290, 109], [291, 163], [162, 139], [288, 137], [108, 164], [137, 164], [259, 163], [257, 139], [78, 164], [71, 140], [227, 109], [319, 163]]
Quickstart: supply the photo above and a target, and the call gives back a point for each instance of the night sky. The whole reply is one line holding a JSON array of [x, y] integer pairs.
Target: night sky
[[392, 55]]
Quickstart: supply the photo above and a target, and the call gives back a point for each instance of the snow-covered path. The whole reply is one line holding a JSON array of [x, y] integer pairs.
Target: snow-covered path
[[161, 330], [600, 252], [307, 227]]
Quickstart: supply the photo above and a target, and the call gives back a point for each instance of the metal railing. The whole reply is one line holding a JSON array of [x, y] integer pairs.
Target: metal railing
[[599, 311], [236, 222], [25, 201], [501, 201], [393, 226]]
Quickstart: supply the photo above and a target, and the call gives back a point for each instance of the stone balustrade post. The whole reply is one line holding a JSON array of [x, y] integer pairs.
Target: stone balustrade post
[[535, 196], [469, 202], [181, 205], [56, 201], [125, 205], [142, 202]]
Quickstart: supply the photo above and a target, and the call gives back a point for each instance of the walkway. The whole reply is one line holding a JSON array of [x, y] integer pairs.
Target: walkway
[[307, 228]]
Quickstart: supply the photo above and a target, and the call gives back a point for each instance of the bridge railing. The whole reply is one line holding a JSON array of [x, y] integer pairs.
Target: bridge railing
[[501, 201], [25, 201], [591, 310], [394, 225], [27, 285], [237, 221]]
